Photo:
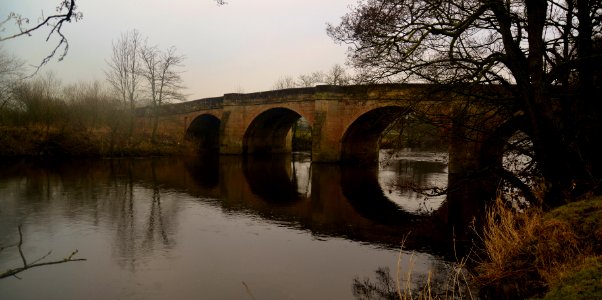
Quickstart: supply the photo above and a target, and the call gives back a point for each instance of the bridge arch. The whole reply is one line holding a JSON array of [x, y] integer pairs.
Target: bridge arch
[[204, 130], [360, 141], [270, 131]]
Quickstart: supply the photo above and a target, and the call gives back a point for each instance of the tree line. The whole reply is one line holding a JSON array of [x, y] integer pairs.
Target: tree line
[[138, 73], [337, 75]]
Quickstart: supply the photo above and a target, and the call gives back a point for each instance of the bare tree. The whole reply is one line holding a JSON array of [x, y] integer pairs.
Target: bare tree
[[11, 70], [123, 72], [40, 100], [309, 80], [163, 80], [337, 76], [91, 104], [542, 51], [286, 82], [303, 80]]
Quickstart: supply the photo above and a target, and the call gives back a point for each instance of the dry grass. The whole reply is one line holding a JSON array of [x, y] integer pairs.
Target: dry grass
[[504, 236], [446, 282], [528, 252], [456, 284]]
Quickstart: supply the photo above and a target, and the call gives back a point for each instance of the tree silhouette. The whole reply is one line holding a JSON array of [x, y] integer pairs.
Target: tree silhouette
[[542, 52]]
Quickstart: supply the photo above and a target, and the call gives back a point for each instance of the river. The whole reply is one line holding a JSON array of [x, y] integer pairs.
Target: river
[[219, 227]]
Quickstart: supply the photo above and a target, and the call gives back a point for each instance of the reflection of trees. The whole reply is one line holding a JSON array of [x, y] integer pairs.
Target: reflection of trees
[[302, 172], [155, 217], [416, 173], [384, 287], [30, 187], [107, 193], [444, 281], [136, 237], [123, 210], [418, 186]]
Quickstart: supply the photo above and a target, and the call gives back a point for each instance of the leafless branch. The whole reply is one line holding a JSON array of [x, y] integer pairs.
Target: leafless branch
[[67, 12], [36, 263]]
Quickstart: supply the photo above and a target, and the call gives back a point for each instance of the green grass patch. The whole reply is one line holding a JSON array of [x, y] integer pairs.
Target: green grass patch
[[585, 282], [585, 219]]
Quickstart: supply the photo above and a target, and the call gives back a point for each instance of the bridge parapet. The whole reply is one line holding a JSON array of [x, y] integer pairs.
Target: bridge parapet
[[270, 97], [376, 92], [184, 107], [410, 92]]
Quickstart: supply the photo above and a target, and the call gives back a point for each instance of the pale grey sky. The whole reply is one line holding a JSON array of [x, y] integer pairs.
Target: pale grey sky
[[244, 46]]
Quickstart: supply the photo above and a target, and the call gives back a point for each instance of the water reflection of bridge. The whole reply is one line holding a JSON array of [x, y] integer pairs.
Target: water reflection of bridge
[[342, 201], [332, 200]]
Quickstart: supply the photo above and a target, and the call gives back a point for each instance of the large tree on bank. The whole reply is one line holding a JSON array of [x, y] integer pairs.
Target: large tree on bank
[[544, 52], [123, 73], [163, 80]]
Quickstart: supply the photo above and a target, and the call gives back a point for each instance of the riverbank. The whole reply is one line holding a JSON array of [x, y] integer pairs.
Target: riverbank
[[552, 255], [71, 142]]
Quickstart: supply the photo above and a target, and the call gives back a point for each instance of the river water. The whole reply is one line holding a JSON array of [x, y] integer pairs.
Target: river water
[[219, 227]]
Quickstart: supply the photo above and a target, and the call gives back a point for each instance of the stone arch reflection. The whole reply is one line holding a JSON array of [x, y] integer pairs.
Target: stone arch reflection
[[272, 178], [204, 169], [362, 189]]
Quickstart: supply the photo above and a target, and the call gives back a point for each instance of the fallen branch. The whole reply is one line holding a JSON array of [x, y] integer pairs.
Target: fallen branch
[[36, 263]]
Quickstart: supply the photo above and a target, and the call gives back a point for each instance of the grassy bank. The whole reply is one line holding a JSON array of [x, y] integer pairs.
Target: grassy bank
[[552, 255], [521, 255]]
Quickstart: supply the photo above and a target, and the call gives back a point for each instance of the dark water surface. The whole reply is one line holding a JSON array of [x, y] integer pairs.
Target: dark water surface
[[217, 228]]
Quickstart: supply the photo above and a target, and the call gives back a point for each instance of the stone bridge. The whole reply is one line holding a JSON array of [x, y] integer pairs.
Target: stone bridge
[[346, 121]]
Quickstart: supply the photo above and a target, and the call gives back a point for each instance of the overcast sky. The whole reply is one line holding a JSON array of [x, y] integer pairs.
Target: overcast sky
[[244, 46]]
